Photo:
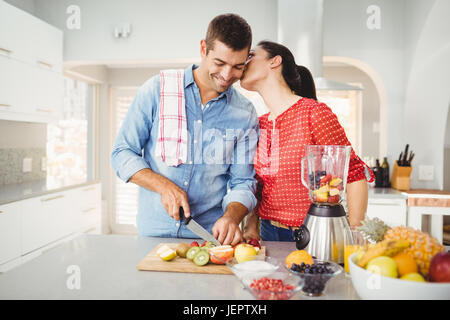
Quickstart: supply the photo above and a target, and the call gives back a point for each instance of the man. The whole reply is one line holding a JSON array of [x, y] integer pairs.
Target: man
[[213, 108]]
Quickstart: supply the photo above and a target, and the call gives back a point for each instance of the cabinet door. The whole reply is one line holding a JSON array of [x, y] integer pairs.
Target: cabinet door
[[34, 225], [47, 45], [9, 232], [59, 215], [7, 96], [391, 212], [15, 32], [48, 93], [90, 208]]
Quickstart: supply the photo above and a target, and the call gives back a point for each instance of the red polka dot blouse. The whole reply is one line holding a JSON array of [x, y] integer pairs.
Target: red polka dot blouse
[[282, 196]]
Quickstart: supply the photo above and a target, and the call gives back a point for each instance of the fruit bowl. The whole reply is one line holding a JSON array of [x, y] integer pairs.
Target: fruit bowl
[[264, 278], [316, 277], [373, 286]]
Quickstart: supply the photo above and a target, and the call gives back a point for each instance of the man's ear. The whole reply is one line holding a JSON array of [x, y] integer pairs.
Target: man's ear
[[276, 62], [203, 48]]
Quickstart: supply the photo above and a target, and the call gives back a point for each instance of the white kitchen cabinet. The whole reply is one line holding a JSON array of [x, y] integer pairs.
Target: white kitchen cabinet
[[7, 97], [15, 32], [47, 91], [29, 226], [392, 211], [35, 228], [10, 236], [31, 56], [89, 207]]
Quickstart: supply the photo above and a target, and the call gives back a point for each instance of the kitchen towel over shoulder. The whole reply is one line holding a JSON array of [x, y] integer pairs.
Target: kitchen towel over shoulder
[[171, 145]]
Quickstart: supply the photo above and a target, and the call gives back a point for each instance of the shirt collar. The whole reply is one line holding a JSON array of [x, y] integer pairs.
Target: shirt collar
[[189, 79]]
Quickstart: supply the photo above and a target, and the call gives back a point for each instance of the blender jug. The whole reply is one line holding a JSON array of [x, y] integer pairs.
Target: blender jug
[[327, 169]]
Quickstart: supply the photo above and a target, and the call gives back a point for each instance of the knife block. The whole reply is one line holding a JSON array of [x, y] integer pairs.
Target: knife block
[[401, 177]]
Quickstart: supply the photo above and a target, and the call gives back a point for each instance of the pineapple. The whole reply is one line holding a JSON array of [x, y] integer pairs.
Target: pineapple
[[373, 229], [423, 246]]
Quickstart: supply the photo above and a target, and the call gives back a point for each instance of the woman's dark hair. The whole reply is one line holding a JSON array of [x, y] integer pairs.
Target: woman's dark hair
[[298, 78], [230, 29]]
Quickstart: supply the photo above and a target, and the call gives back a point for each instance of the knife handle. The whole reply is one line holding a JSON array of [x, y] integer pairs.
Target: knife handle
[[183, 217]]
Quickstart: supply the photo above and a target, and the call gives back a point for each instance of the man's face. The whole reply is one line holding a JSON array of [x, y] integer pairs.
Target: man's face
[[223, 65]]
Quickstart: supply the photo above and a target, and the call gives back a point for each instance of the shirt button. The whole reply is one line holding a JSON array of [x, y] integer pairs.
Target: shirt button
[[199, 121], [177, 224], [186, 183], [190, 162], [195, 141]]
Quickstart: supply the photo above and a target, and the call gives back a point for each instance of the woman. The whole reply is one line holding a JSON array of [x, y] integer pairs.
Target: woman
[[295, 119]]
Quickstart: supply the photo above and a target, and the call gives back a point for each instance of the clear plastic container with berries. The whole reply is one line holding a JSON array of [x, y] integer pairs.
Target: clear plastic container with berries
[[326, 168]]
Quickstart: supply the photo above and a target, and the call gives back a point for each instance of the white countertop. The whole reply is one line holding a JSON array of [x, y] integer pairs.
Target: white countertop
[[20, 191], [107, 269], [386, 193]]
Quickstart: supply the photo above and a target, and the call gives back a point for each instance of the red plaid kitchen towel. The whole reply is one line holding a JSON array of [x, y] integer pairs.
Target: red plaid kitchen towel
[[171, 145]]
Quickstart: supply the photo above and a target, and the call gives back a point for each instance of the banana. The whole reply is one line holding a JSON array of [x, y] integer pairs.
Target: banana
[[383, 248]]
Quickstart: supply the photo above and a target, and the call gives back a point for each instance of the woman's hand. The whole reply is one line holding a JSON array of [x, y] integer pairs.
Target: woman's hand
[[251, 227]]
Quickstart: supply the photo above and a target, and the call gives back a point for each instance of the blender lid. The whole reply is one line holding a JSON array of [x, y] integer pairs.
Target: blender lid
[[330, 211]]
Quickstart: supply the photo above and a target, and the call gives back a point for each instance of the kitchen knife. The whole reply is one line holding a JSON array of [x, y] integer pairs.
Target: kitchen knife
[[405, 155], [399, 162], [192, 225]]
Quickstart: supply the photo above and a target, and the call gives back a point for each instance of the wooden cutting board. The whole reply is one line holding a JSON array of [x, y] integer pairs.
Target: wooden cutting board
[[154, 263]]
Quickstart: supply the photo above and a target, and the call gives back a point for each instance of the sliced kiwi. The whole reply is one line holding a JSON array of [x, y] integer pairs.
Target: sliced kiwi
[[190, 254], [182, 249], [201, 258]]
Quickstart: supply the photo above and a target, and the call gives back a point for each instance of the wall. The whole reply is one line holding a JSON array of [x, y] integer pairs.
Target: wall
[[20, 140], [370, 105], [428, 96], [25, 5], [346, 34], [161, 30]]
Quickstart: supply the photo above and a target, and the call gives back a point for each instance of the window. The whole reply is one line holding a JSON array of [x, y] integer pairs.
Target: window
[[347, 107], [70, 139], [125, 195]]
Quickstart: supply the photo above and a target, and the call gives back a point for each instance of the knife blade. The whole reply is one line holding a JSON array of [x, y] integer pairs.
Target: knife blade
[[192, 225]]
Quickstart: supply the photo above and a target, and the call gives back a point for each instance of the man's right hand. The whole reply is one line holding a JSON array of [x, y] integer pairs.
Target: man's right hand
[[172, 196]]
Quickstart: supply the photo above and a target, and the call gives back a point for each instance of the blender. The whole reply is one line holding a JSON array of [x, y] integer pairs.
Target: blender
[[323, 231]]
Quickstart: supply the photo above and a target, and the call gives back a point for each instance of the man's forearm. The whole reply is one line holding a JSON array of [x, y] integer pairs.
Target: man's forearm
[[357, 197], [150, 180]]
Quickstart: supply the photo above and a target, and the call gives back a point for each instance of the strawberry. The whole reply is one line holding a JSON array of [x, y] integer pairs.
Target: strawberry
[[334, 199], [194, 244], [324, 180]]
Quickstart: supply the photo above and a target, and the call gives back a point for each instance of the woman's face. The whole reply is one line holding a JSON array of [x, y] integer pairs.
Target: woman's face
[[256, 70]]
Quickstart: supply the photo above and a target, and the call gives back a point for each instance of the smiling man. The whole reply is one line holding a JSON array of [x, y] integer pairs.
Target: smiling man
[[216, 185]]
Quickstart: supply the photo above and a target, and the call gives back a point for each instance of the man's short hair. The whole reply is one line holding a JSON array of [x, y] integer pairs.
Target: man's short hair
[[230, 29]]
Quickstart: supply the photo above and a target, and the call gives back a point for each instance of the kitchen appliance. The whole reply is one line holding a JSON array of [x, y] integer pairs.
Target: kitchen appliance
[[192, 225], [323, 232]]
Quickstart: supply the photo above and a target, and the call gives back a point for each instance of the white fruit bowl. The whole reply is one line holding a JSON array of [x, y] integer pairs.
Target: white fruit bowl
[[371, 286]]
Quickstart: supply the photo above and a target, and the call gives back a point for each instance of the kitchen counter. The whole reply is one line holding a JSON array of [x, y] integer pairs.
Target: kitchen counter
[[20, 191], [386, 193], [107, 270]]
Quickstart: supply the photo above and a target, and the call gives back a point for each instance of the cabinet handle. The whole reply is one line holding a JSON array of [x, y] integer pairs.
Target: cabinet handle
[[87, 210], [1, 212], [43, 110], [53, 198], [5, 105], [89, 189], [6, 50], [45, 63]]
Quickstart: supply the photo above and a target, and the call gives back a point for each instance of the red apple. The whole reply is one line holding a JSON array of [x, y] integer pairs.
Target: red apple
[[440, 267], [255, 243]]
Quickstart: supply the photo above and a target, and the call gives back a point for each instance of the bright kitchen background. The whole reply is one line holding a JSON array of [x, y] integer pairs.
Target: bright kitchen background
[[403, 67]]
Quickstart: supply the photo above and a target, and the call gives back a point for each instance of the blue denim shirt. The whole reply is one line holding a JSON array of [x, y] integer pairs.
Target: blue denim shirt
[[222, 141]]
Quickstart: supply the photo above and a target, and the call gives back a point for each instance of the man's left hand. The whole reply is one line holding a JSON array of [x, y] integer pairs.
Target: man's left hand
[[227, 231]]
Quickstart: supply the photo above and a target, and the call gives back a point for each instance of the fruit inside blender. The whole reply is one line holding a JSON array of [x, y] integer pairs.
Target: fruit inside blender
[[325, 187]]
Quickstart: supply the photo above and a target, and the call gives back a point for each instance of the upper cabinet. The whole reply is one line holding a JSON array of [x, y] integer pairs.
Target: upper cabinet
[[31, 58]]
